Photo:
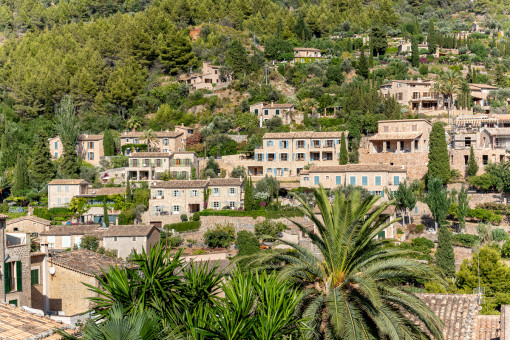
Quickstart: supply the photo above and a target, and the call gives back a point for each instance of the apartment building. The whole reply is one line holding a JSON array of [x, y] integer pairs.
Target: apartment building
[[286, 154], [15, 266], [189, 196], [306, 55], [373, 177], [146, 166], [88, 147], [265, 111], [126, 239], [418, 95], [163, 141], [209, 78], [61, 191], [401, 143]]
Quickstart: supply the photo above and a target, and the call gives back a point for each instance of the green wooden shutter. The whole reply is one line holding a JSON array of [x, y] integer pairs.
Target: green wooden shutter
[[7, 277], [19, 281]]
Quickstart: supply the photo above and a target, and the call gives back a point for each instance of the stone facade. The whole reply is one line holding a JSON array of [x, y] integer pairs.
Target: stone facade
[[61, 191], [209, 78], [67, 237], [15, 267], [306, 55], [28, 224], [401, 143], [146, 166], [128, 238], [375, 178], [265, 111], [416, 94], [88, 147], [164, 141]]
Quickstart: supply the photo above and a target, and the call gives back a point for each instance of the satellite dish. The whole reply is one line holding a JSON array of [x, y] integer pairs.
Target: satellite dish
[[52, 270]]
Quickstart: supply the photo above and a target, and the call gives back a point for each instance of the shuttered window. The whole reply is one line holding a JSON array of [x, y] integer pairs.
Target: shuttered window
[[34, 276]]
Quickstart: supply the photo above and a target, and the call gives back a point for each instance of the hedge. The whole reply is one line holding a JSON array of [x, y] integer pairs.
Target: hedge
[[464, 240], [233, 213], [183, 226], [134, 147]]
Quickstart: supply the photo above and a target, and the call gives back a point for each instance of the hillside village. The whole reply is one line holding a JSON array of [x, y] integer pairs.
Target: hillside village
[[163, 161]]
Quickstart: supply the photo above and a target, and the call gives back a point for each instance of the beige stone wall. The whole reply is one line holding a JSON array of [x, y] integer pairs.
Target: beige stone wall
[[414, 163], [459, 157], [26, 226], [67, 292], [91, 151], [37, 290], [225, 197], [63, 192], [64, 241], [124, 245], [14, 254], [170, 199]]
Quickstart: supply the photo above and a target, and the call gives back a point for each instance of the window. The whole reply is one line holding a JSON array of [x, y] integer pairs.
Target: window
[[338, 180], [159, 193], [13, 277], [55, 145], [165, 141], [115, 239], [300, 157], [176, 208], [90, 156], [59, 188], [56, 154], [135, 162], [231, 205], [386, 128], [90, 145], [59, 201], [269, 143], [66, 242], [216, 205], [34, 276], [466, 159], [232, 191], [277, 112], [284, 157], [316, 180], [133, 238], [176, 193], [416, 144], [329, 143], [146, 162], [400, 96], [216, 191], [353, 180], [485, 159], [377, 180], [194, 193], [256, 111], [67, 188], [467, 142], [300, 144], [285, 144], [316, 143], [327, 177], [364, 180], [158, 162], [396, 180], [77, 241], [51, 240], [266, 112], [306, 178]]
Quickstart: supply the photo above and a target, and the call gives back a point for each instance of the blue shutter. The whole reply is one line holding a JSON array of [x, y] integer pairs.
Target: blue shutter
[[338, 180], [304, 143], [256, 157], [280, 144], [364, 180], [262, 157], [377, 180], [296, 144], [396, 180], [382, 193], [279, 157], [316, 180], [304, 157]]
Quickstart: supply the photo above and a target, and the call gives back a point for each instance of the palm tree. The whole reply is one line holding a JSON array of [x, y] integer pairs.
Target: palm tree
[[134, 123], [149, 135], [447, 86], [352, 286]]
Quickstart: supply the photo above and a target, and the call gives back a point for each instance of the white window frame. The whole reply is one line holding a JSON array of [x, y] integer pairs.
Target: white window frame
[[216, 205]]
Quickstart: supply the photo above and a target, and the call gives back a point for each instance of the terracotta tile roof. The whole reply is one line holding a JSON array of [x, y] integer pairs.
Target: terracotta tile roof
[[404, 121], [85, 261], [149, 154], [19, 324], [129, 230], [355, 168], [459, 313], [68, 181], [30, 218], [277, 106], [86, 137], [482, 86], [305, 134], [4, 217], [184, 153], [225, 181], [396, 136], [306, 49], [178, 184], [498, 131], [489, 327], [104, 191], [64, 230], [159, 134]]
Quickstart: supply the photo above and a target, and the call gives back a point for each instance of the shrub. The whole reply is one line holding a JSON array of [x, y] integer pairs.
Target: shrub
[[505, 250], [464, 240], [172, 241], [89, 242], [183, 226], [195, 217], [484, 215], [184, 218], [233, 213], [221, 236], [418, 229], [499, 235], [198, 252], [424, 69], [269, 228], [399, 231], [423, 242]]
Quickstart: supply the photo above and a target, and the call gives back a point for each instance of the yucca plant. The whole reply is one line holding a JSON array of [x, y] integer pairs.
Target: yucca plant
[[351, 285]]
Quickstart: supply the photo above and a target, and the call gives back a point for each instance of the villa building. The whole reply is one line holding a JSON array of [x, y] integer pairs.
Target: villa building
[[418, 95], [88, 147], [306, 55], [209, 78], [265, 111], [163, 141], [147, 166], [61, 191]]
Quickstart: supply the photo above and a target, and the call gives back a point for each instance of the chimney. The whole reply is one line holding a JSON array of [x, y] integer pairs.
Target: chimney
[[44, 247], [272, 103]]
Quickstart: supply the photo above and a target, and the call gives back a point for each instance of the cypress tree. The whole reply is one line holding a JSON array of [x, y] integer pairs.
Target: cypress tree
[[415, 53], [439, 164], [472, 166], [344, 156], [69, 164], [106, 218], [248, 194], [362, 69], [21, 179], [108, 143], [445, 259], [432, 38], [42, 169], [128, 191]]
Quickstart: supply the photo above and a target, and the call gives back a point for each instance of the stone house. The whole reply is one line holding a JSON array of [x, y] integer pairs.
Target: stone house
[[88, 147], [373, 177], [188, 196], [125, 239], [406, 47], [306, 55], [418, 95], [399, 142], [286, 154], [164, 141], [209, 78], [94, 197], [480, 95], [188, 130], [61, 191], [265, 111], [146, 166], [63, 275], [32, 225], [14, 266], [62, 237]]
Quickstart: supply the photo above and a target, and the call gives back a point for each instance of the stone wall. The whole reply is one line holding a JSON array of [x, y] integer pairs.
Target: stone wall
[[415, 163], [13, 254]]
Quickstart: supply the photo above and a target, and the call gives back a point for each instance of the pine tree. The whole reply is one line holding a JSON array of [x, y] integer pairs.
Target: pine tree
[[362, 69], [106, 218], [415, 53], [248, 194], [108, 143], [445, 258], [128, 191], [344, 156], [21, 179], [432, 38], [439, 164], [472, 166], [69, 163], [42, 169]]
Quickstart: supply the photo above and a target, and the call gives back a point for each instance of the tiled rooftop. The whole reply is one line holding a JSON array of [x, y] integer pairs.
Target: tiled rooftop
[[353, 168], [18, 324], [83, 229], [305, 134], [128, 230], [105, 191], [183, 184], [29, 218], [159, 134], [68, 181], [85, 261], [85, 137], [149, 154]]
